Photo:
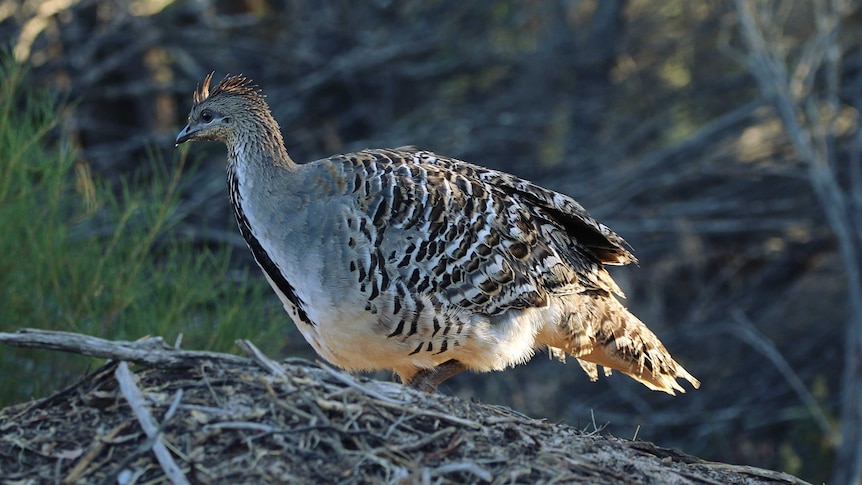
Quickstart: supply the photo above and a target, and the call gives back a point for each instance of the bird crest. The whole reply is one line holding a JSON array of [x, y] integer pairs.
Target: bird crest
[[235, 85]]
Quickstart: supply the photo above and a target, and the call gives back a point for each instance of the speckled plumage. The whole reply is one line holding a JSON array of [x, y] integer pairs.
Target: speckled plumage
[[407, 260]]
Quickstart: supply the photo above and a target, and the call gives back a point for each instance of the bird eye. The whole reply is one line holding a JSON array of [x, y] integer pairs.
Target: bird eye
[[206, 116]]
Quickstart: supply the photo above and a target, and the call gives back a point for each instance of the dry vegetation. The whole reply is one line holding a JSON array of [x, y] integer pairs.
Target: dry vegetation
[[720, 138], [195, 417]]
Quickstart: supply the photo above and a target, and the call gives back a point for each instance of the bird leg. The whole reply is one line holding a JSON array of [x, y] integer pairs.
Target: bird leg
[[427, 380]]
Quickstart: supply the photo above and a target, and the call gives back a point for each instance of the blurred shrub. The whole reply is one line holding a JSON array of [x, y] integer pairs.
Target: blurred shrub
[[75, 256]]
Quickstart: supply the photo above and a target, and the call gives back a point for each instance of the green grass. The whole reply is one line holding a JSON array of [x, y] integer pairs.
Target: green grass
[[75, 256]]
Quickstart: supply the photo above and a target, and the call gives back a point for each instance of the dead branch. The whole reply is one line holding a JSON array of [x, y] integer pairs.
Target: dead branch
[[809, 115], [745, 330], [149, 351], [136, 401]]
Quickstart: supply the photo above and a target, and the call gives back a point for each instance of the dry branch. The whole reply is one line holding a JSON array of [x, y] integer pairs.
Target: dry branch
[[809, 116], [149, 351], [745, 330], [136, 401], [229, 419]]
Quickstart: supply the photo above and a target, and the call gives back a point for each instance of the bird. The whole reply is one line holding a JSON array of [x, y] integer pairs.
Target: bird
[[421, 264]]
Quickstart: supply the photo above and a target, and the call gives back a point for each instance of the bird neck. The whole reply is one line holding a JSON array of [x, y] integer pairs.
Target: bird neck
[[261, 175], [259, 146]]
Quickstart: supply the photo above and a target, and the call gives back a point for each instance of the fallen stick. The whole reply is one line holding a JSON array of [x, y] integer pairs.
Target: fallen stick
[[142, 412], [151, 351]]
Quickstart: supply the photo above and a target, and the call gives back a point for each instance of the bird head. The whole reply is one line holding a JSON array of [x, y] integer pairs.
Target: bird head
[[220, 112]]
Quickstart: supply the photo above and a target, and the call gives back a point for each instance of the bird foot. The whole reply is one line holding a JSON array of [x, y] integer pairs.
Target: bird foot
[[427, 380]]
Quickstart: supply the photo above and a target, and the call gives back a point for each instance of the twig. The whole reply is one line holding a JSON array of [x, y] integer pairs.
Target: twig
[[260, 358], [434, 414], [621, 190], [346, 379], [139, 407], [77, 472], [420, 443], [748, 333], [245, 425], [464, 466], [150, 351]]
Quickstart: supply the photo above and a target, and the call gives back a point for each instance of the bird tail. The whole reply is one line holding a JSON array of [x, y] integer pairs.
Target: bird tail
[[602, 332]]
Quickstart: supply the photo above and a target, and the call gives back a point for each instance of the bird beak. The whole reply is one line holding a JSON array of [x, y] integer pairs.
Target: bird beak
[[185, 135]]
